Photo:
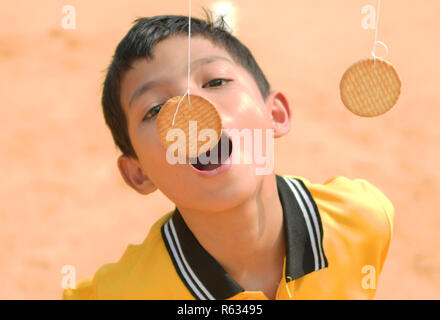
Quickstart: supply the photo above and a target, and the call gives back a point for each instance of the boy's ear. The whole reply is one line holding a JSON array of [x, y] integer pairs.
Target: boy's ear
[[279, 108], [131, 171]]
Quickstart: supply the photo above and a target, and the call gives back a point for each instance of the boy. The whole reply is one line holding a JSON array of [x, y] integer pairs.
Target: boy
[[234, 234]]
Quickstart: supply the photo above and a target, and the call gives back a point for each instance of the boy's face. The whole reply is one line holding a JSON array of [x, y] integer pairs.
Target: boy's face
[[238, 101]]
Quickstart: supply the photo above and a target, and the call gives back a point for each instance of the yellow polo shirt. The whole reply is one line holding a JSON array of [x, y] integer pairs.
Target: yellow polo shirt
[[337, 238]]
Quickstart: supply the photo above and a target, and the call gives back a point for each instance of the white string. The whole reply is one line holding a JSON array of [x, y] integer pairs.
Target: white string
[[189, 51], [376, 42], [373, 51], [187, 93]]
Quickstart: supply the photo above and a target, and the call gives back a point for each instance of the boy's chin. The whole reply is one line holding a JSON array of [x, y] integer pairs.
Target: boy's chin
[[241, 185]]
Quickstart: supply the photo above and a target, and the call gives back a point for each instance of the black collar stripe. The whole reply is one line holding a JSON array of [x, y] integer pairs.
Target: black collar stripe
[[209, 272], [307, 219], [300, 258], [205, 278], [187, 265], [309, 212], [313, 210], [179, 261], [299, 254]]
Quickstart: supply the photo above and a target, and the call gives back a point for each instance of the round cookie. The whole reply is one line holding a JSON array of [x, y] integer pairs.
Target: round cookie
[[200, 110], [370, 88]]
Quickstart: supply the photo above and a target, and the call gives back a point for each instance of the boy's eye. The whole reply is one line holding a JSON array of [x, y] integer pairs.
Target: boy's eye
[[216, 83], [152, 112], [155, 110]]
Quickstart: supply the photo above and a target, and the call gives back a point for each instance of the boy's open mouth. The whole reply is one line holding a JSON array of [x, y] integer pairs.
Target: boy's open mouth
[[224, 143]]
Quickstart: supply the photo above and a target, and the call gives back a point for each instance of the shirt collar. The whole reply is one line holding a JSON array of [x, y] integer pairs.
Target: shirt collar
[[206, 279]]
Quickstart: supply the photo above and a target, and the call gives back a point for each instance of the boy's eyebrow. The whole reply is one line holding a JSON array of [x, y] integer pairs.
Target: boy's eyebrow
[[207, 60], [142, 89], [149, 84]]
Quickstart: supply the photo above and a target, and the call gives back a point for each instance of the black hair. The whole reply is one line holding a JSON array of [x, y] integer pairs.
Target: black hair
[[140, 41]]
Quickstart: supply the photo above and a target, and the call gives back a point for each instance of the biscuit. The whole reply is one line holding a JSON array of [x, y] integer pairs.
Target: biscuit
[[200, 110], [369, 88]]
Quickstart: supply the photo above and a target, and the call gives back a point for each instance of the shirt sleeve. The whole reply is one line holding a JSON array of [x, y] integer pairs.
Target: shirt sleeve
[[386, 214], [370, 213]]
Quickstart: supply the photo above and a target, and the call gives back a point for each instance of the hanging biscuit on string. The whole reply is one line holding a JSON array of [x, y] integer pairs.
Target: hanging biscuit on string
[[370, 87], [191, 114], [201, 111]]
